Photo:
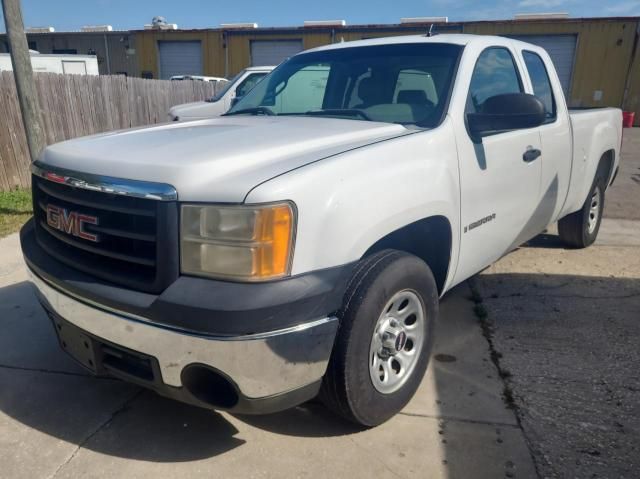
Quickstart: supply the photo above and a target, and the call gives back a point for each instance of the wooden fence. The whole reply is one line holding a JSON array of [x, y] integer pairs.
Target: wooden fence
[[78, 105]]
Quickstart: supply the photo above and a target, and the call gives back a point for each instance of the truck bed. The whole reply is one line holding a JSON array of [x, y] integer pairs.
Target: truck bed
[[593, 130]]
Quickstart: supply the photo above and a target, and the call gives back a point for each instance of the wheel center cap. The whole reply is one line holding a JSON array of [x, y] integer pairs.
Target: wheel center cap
[[393, 340]]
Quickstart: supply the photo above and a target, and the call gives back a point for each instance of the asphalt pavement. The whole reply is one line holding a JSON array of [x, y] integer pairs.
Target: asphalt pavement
[[565, 329]]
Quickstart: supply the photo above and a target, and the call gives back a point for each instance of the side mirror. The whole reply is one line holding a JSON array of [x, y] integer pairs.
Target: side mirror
[[510, 111]]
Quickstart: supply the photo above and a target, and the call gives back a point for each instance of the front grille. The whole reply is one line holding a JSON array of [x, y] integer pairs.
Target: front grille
[[137, 242]]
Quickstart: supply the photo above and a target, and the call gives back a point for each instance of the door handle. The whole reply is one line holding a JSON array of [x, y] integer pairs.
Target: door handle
[[531, 154]]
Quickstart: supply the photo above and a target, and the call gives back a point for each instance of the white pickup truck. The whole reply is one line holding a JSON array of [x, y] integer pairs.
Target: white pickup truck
[[218, 104], [298, 245]]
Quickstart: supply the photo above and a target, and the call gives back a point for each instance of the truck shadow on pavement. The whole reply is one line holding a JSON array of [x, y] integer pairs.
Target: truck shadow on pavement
[[546, 241], [44, 390]]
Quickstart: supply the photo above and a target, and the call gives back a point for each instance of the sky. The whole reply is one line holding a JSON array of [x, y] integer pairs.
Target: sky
[[68, 15]]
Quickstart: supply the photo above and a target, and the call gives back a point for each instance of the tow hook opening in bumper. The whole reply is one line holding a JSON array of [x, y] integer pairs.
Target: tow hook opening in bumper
[[209, 386]]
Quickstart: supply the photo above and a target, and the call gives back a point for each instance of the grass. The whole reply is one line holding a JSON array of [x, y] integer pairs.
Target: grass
[[15, 210]]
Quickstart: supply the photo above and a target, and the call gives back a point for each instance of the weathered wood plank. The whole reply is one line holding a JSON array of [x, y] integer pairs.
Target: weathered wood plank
[[78, 105]]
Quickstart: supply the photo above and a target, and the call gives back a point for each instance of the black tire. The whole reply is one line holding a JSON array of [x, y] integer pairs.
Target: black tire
[[574, 229], [348, 388]]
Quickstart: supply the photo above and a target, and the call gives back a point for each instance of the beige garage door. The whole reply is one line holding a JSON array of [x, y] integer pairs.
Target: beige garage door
[[180, 58], [273, 52], [561, 49]]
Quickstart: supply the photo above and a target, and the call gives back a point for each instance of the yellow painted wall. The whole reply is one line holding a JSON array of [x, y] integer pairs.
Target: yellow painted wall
[[603, 54], [212, 51], [632, 97]]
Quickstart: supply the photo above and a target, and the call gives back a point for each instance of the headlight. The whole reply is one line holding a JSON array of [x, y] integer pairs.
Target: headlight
[[246, 242]]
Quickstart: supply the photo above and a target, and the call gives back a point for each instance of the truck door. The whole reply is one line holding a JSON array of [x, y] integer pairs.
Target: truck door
[[499, 174], [555, 135]]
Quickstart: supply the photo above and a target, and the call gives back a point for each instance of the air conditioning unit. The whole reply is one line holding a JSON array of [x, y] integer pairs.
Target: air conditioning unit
[[159, 23], [541, 16], [39, 30], [97, 28], [424, 20], [231, 26], [325, 23]]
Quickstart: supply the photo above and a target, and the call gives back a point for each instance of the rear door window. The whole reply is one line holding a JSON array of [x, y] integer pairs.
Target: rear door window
[[541, 83]]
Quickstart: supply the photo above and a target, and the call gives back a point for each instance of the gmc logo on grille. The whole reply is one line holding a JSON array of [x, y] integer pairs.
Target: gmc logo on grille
[[71, 222]]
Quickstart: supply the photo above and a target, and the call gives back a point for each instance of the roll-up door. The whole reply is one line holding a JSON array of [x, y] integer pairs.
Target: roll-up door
[[561, 49], [273, 52], [180, 58]]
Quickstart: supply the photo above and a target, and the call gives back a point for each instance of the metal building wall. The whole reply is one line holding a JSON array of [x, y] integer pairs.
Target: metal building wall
[[212, 49], [603, 53], [605, 58], [631, 101], [239, 46]]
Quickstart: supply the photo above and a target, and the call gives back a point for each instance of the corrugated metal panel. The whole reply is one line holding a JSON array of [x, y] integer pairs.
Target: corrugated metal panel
[[632, 93], [180, 58], [561, 49], [603, 53], [273, 52]]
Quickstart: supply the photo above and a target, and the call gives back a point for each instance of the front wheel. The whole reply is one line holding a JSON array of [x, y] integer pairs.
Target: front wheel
[[384, 340], [580, 229]]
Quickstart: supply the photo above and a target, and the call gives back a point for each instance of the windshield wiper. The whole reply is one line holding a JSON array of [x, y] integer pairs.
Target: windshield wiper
[[340, 112], [257, 110]]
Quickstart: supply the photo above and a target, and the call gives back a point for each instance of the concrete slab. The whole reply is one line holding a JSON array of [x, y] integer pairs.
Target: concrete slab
[[461, 382], [71, 425], [44, 418], [28, 340], [154, 438]]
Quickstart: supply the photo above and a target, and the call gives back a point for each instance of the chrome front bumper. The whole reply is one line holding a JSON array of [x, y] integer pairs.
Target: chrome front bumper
[[260, 365]]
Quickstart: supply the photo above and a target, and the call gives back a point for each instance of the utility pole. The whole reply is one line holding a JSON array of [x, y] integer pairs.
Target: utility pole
[[23, 74]]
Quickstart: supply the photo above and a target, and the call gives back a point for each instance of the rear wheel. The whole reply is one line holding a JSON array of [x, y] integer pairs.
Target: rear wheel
[[384, 341], [580, 229]]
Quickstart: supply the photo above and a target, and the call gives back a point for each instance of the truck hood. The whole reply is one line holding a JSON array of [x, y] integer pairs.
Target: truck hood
[[219, 159], [198, 109]]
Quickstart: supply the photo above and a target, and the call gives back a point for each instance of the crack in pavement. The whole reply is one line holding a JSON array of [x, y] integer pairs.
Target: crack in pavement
[[100, 427], [460, 419], [508, 394], [53, 371], [376, 458], [581, 296]]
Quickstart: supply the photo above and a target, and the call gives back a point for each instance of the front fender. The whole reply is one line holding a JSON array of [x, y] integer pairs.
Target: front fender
[[348, 202]]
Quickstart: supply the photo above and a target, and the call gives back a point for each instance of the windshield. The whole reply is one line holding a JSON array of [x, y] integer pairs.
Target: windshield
[[404, 83], [225, 88]]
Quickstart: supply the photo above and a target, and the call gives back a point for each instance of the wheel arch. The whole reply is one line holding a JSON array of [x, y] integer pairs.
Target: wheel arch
[[430, 239], [606, 165]]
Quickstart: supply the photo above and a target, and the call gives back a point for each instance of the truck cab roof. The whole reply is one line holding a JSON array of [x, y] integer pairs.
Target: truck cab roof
[[454, 38]]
